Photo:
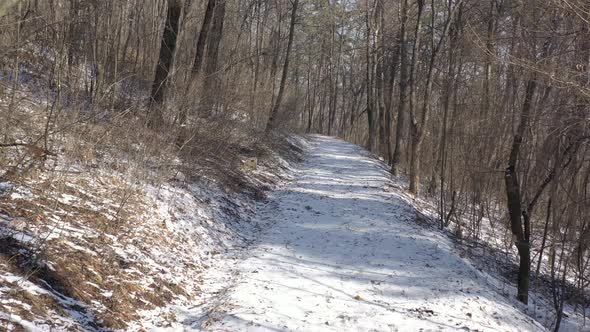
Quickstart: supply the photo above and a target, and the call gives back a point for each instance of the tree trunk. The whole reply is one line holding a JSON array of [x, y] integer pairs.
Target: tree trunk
[[403, 84], [413, 101], [209, 95], [271, 124], [165, 60], [520, 231], [201, 40], [383, 123], [417, 129], [450, 83], [371, 111]]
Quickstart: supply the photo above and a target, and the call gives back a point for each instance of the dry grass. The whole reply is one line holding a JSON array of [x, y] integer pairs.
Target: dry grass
[[79, 175]]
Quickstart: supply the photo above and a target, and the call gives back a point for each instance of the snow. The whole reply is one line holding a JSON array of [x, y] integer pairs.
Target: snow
[[17, 319], [339, 248], [4, 188], [345, 254]]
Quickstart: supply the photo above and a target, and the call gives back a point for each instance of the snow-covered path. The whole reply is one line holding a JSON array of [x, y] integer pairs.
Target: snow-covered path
[[344, 253]]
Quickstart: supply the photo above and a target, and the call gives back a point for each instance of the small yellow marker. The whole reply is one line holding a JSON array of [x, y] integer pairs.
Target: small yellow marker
[[250, 164]]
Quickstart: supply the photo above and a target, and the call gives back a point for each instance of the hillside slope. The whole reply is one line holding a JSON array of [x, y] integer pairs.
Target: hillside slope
[[91, 249]]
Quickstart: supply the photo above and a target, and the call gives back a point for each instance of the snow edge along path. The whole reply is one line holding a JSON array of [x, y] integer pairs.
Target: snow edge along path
[[343, 253]]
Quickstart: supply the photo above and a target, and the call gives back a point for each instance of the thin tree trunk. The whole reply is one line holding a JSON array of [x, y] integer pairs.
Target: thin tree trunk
[[371, 111], [543, 242], [413, 100], [271, 124], [202, 39], [449, 84], [403, 84], [520, 232], [417, 128]]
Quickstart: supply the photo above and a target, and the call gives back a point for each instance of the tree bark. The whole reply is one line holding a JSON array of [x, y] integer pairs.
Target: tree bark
[[201, 40], [165, 59], [520, 226], [271, 124], [403, 84], [208, 96], [413, 101]]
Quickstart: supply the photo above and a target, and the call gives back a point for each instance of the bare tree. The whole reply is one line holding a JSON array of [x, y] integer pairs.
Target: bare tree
[[165, 59], [271, 124]]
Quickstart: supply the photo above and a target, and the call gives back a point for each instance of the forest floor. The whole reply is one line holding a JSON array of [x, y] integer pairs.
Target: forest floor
[[342, 251]]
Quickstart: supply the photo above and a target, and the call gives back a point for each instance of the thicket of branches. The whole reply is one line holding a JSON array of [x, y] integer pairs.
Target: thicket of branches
[[483, 104], [195, 78]]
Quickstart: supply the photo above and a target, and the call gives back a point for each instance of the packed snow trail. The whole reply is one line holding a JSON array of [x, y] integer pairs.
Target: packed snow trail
[[345, 253]]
